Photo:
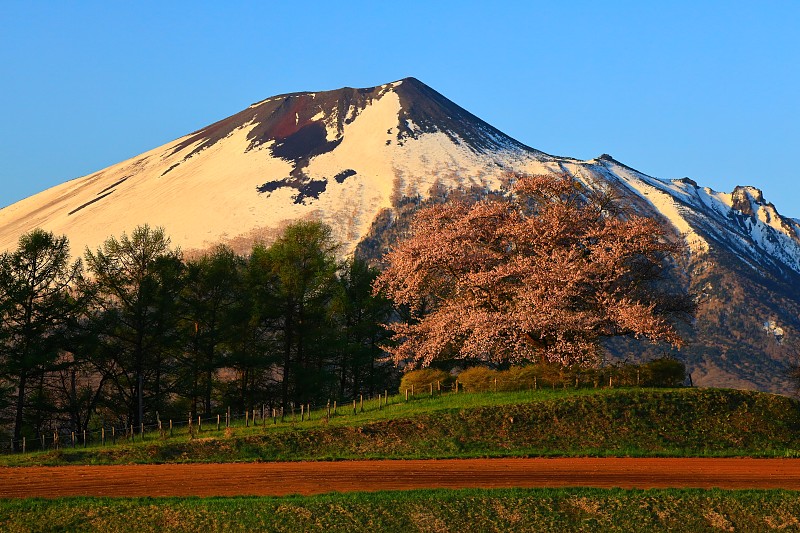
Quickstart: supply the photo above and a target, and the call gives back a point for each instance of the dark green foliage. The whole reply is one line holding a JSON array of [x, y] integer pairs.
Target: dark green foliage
[[136, 281], [36, 310], [211, 309], [663, 372], [358, 316], [148, 336], [299, 281]]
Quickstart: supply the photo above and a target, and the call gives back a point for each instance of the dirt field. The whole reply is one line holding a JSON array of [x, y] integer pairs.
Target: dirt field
[[276, 479]]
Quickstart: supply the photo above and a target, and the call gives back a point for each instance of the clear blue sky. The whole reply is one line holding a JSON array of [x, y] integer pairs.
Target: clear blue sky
[[709, 90]]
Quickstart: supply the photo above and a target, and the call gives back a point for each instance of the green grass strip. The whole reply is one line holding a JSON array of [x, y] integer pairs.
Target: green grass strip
[[556, 510]]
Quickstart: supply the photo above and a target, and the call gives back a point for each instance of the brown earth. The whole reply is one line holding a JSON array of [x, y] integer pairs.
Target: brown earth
[[277, 479]]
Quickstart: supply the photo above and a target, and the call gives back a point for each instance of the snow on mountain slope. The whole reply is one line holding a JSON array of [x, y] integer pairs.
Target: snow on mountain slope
[[344, 156], [340, 156], [361, 159], [741, 221]]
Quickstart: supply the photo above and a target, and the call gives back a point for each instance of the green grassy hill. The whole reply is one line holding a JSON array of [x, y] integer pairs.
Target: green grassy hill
[[583, 422]]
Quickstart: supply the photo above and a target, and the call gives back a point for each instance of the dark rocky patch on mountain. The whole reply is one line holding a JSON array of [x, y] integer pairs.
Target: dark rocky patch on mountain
[[307, 142], [306, 187], [426, 111], [113, 185], [87, 204], [343, 175]]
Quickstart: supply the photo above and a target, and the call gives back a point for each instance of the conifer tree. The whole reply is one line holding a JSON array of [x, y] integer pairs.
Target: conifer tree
[[212, 304], [301, 268], [36, 308], [136, 282]]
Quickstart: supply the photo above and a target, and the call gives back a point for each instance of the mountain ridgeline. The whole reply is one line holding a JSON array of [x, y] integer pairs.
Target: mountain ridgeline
[[363, 161]]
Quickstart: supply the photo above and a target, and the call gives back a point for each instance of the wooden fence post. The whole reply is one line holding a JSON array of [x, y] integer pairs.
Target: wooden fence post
[[42, 437], [302, 412], [431, 384], [102, 436], [246, 418], [23, 444], [84, 438], [328, 411], [218, 417], [199, 424], [354, 406], [73, 439], [335, 412], [362, 404], [406, 394], [609, 382], [170, 427], [113, 435], [55, 440], [438, 386]]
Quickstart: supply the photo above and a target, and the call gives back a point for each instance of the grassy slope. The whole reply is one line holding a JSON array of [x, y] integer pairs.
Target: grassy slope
[[435, 510], [617, 422]]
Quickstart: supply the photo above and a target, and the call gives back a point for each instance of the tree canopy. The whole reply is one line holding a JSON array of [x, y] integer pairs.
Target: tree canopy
[[148, 335], [36, 308], [544, 273]]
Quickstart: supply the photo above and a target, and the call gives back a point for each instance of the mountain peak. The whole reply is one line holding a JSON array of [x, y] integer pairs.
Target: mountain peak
[[341, 155], [362, 159], [747, 199]]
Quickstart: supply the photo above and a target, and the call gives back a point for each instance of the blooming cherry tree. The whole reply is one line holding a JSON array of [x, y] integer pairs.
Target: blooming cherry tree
[[544, 273]]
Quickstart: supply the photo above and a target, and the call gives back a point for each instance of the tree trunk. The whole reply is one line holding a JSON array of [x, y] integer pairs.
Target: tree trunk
[[23, 378], [287, 361], [209, 379], [140, 398]]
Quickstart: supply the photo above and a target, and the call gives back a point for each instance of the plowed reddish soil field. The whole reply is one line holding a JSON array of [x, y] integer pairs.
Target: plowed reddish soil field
[[276, 479]]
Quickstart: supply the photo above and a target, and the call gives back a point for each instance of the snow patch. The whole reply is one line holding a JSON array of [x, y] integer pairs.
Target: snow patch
[[771, 327], [662, 195]]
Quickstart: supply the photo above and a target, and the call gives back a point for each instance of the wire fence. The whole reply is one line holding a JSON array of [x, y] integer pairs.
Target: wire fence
[[200, 425], [194, 426]]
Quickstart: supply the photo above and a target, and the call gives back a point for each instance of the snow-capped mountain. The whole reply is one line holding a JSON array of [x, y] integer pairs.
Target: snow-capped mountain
[[340, 156], [354, 157]]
